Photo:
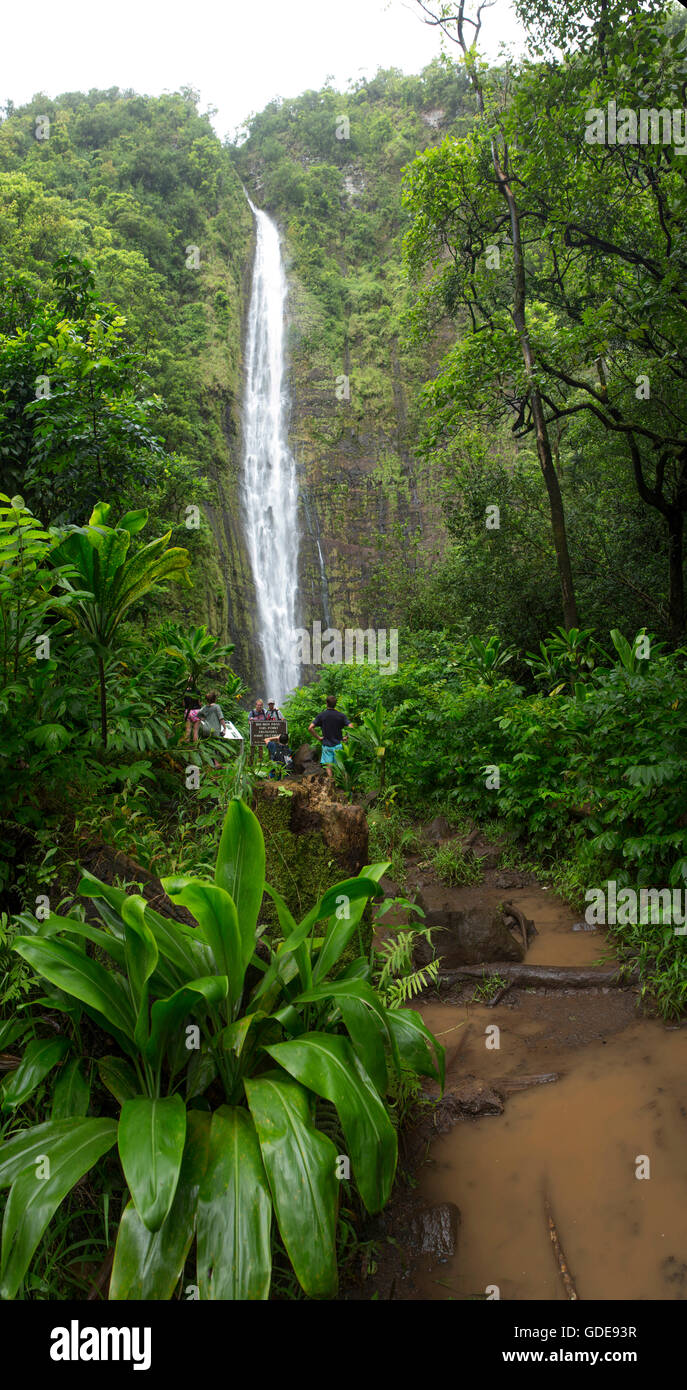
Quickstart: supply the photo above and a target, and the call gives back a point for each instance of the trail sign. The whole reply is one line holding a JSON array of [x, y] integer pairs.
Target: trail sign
[[231, 731], [260, 729]]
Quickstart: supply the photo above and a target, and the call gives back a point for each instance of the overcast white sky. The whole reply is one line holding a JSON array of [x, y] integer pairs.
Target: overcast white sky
[[237, 55]]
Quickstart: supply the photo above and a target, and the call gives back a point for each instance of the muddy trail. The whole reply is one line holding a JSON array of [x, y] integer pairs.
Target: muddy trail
[[554, 1167]]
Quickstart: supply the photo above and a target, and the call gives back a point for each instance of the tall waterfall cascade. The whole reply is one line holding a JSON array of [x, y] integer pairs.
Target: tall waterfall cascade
[[269, 486]]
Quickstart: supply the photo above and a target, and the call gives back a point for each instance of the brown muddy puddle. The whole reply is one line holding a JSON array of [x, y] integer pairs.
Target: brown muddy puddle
[[620, 1100]]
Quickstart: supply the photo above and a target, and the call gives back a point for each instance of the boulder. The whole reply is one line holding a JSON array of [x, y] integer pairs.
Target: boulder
[[314, 808], [437, 830], [305, 762], [434, 1231], [468, 936], [475, 1097]]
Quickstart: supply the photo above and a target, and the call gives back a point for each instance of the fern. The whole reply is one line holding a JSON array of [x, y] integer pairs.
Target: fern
[[397, 980]]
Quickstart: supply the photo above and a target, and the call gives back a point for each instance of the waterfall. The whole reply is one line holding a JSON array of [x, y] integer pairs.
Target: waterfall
[[269, 490]]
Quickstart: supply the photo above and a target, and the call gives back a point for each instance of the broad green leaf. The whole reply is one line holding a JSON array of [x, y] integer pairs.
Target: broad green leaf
[[364, 1017], [23, 1148], [72, 1092], [40, 1056], [119, 1077], [74, 972], [175, 941], [150, 1139], [329, 1066], [149, 1265], [367, 1035], [70, 926], [141, 959], [301, 1167], [234, 1258], [37, 1192], [354, 891], [240, 868], [347, 911], [217, 917], [416, 1045], [166, 1015]]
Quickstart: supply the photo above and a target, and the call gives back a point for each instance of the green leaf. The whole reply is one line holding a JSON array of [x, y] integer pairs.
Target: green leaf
[[364, 1017], [37, 1192], [40, 1056], [416, 1045], [119, 1077], [240, 868], [175, 941], [330, 1067], [167, 1014], [150, 1139], [341, 928], [74, 972], [301, 1167], [22, 1149], [72, 1092], [149, 1265], [234, 1258], [216, 914], [141, 959]]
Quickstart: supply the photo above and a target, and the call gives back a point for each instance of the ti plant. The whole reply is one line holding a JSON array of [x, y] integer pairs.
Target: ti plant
[[221, 1055]]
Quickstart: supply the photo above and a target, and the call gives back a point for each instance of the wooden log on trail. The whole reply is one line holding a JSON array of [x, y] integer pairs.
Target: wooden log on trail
[[509, 1084], [559, 1253], [527, 976]]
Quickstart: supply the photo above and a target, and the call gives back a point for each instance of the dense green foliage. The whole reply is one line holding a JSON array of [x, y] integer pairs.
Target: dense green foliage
[[213, 1138]]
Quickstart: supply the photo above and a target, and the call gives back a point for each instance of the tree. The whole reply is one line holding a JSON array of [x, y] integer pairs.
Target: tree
[[478, 223], [72, 414], [99, 554]]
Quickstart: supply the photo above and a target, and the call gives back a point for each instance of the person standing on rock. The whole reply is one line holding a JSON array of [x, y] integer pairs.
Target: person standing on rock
[[332, 722], [258, 712]]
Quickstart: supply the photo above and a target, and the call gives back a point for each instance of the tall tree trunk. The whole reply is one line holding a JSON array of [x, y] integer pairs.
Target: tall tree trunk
[[544, 452], [499, 158], [103, 701], [676, 602]]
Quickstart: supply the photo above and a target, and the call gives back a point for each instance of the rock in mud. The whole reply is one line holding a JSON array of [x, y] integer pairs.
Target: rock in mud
[[434, 1231], [485, 851], [467, 936], [437, 830], [473, 1097]]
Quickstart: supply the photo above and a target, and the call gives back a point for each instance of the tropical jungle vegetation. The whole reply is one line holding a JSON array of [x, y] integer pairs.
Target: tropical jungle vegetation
[[507, 299]]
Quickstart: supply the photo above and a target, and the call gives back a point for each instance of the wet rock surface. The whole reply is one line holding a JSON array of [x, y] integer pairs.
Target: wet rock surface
[[434, 1231], [314, 807], [466, 935]]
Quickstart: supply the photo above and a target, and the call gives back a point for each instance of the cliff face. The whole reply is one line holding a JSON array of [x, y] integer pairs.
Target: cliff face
[[328, 167]]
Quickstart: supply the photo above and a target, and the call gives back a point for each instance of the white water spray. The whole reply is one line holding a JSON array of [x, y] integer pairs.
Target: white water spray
[[269, 486]]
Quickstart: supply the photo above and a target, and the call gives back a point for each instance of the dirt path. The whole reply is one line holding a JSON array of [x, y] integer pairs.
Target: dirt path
[[573, 1145]]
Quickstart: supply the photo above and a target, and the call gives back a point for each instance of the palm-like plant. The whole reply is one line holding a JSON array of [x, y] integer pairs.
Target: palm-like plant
[[374, 733], [485, 660], [115, 580], [199, 651], [197, 1015]]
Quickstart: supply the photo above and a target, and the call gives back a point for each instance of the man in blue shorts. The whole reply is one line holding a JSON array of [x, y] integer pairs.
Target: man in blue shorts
[[332, 723]]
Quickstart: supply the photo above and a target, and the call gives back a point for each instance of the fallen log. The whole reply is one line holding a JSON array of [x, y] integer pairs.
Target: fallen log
[[559, 1253], [508, 1084], [540, 976]]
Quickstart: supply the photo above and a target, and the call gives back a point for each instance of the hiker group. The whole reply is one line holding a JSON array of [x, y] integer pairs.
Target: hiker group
[[205, 721]]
